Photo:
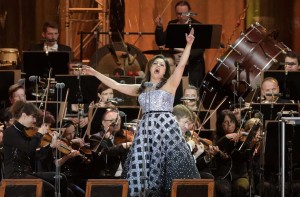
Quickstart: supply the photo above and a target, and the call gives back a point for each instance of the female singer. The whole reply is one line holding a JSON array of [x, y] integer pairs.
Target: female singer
[[159, 152]]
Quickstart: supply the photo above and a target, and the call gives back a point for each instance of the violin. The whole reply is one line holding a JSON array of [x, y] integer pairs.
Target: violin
[[76, 146], [66, 149], [123, 136], [46, 139]]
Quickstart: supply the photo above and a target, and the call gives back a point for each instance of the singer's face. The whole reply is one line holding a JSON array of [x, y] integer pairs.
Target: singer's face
[[158, 69], [51, 34], [269, 87], [179, 10], [291, 64], [18, 95], [228, 125], [106, 94]]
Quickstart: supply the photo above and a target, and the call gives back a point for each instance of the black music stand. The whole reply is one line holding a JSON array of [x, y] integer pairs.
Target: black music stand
[[288, 82], [89, 85], [37, 63], [270, 111], [206, 36]]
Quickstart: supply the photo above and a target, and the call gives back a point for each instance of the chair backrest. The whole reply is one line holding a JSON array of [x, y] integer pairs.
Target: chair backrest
[[192, 187], [38, 183], [106, 187]]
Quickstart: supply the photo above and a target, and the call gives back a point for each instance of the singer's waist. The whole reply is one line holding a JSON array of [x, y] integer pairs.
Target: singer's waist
[[156, 112]]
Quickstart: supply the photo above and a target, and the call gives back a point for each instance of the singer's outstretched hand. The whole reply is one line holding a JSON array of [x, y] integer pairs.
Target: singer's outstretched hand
[[87, 70]]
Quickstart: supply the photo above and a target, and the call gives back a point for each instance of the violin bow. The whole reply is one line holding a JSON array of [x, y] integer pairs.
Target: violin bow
[[205, 117], [88, 129], [47, 93], [213, 112]]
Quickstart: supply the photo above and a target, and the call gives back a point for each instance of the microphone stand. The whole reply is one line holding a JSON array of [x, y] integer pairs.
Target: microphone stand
[[80, 104], [57, 177]]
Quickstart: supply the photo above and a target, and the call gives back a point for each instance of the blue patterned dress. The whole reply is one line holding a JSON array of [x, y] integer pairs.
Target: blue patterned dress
[[158, 149]]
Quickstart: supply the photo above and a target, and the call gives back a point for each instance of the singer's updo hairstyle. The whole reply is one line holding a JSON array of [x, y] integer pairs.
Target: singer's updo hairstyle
[[20, 107], [148, 74]]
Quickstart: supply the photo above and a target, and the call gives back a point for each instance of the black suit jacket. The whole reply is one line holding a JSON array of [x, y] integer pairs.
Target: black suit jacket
[[40, 47]]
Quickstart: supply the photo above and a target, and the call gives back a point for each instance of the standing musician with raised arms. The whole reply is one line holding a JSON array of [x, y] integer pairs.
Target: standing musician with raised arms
[[159, 152]]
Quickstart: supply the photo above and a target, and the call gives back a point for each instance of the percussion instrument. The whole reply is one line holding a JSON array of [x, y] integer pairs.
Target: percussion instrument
[[253, 52], [9, 56], [114, 60]]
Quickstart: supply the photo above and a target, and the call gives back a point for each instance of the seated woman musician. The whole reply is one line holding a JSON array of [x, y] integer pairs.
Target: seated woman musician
[[110, 146], [232, 171]]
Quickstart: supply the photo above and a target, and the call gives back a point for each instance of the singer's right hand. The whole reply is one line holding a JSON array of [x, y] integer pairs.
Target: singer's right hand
[[87, 70]]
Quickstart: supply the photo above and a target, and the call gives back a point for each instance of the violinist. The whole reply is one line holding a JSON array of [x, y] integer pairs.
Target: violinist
[[110, 157], [231, 174], [185, 119], [18, 148], [191, 95], [104, 93]]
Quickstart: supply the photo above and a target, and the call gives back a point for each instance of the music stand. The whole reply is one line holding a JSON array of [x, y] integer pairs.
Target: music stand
[[37, 63], [89, 85], [270, 111], [206, 36], [288, 82]]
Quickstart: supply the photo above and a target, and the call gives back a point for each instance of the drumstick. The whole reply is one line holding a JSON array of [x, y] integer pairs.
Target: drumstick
[[170, 1]]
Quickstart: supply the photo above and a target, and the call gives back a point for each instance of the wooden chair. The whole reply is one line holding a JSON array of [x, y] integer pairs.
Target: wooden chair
[[192, 188], [106, 187], [25, 182]]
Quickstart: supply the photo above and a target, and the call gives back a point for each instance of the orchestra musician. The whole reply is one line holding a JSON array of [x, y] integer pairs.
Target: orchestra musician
[[270, 91], [231, 175], [185, 119], [110, 154], [191, 95], [18, 147], [196, 64], [49, 40]]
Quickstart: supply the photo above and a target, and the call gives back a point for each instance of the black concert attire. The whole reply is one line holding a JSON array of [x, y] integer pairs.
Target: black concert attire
[[69, 172], [231, 175], [108, 157], [18, 149], [196, 63], [40, 47]]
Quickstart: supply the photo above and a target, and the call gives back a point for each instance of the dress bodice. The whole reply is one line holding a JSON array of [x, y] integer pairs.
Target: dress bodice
[[156, 100]]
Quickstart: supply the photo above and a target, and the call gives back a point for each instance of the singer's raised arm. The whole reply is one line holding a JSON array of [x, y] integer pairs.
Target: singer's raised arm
[[175, 78], [129, 89]]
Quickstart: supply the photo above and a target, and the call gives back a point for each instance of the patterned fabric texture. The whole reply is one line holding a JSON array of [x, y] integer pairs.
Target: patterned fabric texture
[[159, 152]]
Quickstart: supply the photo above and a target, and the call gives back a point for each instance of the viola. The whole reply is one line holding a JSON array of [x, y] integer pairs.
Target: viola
[[84, 149], [46, 139]]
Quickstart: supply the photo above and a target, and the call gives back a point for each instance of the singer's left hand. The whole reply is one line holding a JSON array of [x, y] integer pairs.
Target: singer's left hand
[[190, 38]]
